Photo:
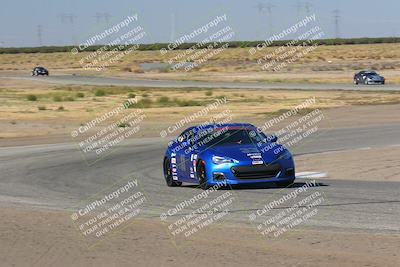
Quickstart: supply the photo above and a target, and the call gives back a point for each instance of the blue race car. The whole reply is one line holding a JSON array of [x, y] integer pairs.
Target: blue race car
[[232, 154]]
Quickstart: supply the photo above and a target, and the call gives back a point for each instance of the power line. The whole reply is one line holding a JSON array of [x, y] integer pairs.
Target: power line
[[261, 6], [98, 17], [298, 7], [102, 16], [69, 17], [336, 17], [39, 34], [307, 7], [264, 6], [173, 21]]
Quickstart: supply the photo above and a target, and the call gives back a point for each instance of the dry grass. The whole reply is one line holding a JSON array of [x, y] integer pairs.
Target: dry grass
[[326, 64], [20, 117]]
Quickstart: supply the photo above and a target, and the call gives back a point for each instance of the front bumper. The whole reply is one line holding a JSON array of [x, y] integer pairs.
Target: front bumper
[[281, 171], [376, 82]]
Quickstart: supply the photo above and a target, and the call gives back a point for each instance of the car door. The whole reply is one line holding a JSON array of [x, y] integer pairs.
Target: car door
[[183, 154], [359, 77], [363, 77]]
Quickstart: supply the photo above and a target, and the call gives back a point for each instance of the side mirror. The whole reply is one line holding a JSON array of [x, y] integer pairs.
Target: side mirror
[[272, 138]]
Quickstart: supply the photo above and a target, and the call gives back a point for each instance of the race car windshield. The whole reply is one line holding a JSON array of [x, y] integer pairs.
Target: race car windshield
[[230, 137]]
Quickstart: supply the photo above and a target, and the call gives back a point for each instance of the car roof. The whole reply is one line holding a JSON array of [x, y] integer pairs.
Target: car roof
[[367, 71], [222, 125]]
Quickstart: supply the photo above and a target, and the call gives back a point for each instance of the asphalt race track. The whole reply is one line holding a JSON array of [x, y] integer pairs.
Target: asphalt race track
[[56, 176], [87, 80]]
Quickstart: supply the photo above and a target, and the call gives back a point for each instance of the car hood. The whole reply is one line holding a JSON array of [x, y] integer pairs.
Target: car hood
[[375, 77], [245, 153]]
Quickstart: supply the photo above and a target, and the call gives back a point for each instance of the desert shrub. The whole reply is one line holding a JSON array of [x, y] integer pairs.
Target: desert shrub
[[123, 125], [144, 103], [57, 98], [163, 100], [31, 98], [187, 103], [100, 92]]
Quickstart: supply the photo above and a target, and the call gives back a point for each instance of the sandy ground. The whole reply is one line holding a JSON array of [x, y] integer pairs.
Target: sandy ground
[[48, 238]]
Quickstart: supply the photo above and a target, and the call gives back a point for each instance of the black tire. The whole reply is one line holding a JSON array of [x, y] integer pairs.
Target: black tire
[[201, 174], [355, 81], [285, 183], [168, 174]]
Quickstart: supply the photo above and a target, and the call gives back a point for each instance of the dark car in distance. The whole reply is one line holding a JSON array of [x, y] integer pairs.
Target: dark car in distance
[[368, 77], [40, 71]]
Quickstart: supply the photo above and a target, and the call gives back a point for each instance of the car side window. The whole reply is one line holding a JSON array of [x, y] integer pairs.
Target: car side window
[[190, 137], [184, 136]]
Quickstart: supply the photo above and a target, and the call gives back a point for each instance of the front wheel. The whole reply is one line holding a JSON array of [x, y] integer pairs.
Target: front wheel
[[201, 174], [168, 174]]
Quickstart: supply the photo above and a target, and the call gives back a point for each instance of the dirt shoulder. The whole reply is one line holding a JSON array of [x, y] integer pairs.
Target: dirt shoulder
[[367, 164], [48, 238]]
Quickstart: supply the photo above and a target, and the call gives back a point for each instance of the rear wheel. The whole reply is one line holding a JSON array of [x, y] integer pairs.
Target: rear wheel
[[201, 174], [355, 81], [168, 174]]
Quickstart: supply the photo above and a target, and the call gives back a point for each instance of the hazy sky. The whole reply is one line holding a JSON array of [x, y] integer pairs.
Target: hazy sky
[[20, 18]]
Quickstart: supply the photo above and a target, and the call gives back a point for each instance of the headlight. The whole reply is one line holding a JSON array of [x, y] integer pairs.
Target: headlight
[[284, 154], [221, 160]]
